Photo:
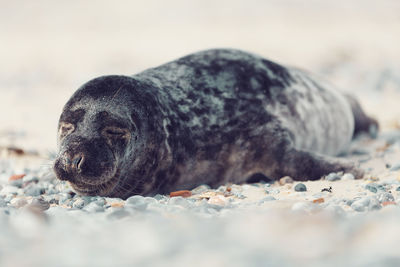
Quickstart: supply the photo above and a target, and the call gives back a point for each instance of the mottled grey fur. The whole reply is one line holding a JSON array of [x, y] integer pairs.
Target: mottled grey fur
[[211, 117]]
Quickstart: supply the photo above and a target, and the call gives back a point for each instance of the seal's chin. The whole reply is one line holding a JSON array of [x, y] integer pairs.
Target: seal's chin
[[101, 189]]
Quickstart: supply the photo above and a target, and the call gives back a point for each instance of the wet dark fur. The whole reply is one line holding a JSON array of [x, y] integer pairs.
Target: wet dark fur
[[210, 117]]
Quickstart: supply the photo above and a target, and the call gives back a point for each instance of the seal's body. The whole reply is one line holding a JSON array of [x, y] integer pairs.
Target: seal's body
[[212, 117]]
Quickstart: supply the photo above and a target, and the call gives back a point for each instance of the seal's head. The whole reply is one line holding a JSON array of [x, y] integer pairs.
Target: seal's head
[[100, 137]]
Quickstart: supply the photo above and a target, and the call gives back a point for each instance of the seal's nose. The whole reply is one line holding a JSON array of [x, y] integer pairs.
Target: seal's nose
[[74, 163]]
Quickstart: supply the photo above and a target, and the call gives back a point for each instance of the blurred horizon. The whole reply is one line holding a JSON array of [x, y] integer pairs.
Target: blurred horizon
[[49, 48]]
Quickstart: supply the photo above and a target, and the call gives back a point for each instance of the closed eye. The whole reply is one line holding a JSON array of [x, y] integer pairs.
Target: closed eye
[[115, 132]]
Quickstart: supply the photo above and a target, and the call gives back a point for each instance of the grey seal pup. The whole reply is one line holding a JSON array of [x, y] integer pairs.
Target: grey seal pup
[[211, 117]]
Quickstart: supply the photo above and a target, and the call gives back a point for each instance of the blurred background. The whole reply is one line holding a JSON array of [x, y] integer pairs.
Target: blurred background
[[49, 48]]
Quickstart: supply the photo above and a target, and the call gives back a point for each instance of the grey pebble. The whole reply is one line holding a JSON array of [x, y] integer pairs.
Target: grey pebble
[[30, 178], [93, 207], [179, 201], [398, 188], [300, 187], [18, 202], [17, 183], [333, 177], [395, 167], [33, 190], [137, 202], [366, 203], [63, 197], [118, 214], [200, 189], [40, 203], [348, 176], [272, 191], [371, 187], [79, 203], [3, 203], [383, 197], [9, 189], [266, 199]]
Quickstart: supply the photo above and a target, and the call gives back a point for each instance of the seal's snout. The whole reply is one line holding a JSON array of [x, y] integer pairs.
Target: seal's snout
[[75, 162], [86, 161]]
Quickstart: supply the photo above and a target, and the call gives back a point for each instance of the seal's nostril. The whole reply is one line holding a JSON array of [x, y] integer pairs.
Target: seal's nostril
[[77, 162]]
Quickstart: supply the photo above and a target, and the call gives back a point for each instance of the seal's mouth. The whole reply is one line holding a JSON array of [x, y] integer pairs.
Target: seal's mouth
[[102, 189]]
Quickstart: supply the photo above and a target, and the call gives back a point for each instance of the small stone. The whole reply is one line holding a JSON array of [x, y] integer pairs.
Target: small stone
[[374, 204], [359, 205], [3, 203], [180, 201], [200, 189], [371, 187], [303, 206], [300, 187], [16, 177], [136, 202], [398, 188], [8, 190], [78, 204], [18, 202], [118, 214], [218, 200], [266, 199], [181, 193], [17, 183], [30, 179], [385, 203], [348, 176], [395, 167], [93, 207], [333, 177], [286, 180], [117, 205], [384, 197], [319, 200], [34, 191], [40, 204]]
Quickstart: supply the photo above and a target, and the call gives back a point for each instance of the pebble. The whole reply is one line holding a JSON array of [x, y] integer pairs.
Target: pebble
[[366, 203], [371, 187], [333, 177], [78, 203], [385, 197], [40, 203], [395, 167], [137, 202], [200, 189], [9, 189], [34, 190], [93, 207], [179, 201], [300, 187], [286, 180], [18, 202], [118, 214], [3, 203], [398, 188], [218, 200], [348, 176], [303, 206], [266, 199]]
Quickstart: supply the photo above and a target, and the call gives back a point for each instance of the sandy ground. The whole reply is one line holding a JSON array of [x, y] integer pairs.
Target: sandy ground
[[49, 49]]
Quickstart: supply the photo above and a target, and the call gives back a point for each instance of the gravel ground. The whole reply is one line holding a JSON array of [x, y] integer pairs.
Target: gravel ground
[[334, 221]]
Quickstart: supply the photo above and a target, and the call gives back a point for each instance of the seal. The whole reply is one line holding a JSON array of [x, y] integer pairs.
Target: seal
[[211, 117]]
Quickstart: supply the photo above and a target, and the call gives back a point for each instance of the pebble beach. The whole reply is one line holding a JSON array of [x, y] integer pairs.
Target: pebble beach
[[334, 221]]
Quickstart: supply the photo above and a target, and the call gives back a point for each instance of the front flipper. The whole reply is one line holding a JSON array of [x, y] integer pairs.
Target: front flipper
[[303, 166]]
